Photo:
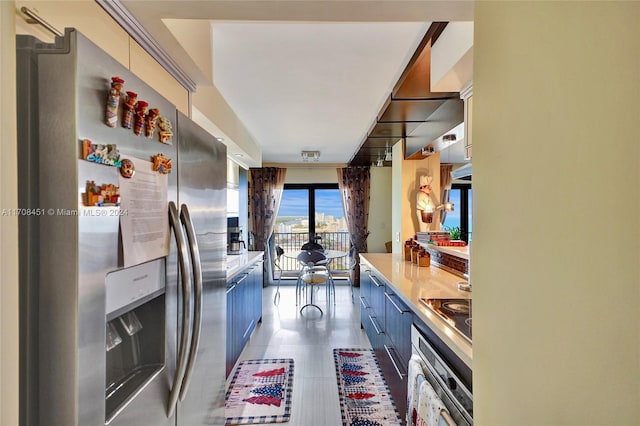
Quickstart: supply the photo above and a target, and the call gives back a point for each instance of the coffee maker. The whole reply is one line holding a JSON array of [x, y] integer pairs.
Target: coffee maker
[[235, 241]]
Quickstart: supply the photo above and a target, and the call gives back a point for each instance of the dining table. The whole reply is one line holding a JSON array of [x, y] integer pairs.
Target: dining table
[[329, 254]]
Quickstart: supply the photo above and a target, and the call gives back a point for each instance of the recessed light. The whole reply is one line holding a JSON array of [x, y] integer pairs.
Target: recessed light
[[239, 155], [220, 139]]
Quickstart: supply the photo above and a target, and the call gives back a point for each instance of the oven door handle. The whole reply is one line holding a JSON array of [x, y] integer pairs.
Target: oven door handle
[[186, 312], [196, 268]]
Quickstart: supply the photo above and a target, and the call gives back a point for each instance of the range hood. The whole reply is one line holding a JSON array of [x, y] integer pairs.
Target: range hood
[[463, 172], [413, 113]]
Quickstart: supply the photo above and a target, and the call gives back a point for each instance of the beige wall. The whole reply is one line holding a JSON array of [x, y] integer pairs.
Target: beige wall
[[556, 251], [405, 184], [8, 224], [380, 209], [92, 21]]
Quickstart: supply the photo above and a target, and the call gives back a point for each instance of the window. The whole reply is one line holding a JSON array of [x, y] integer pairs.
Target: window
[[462, 197], [308, 211]]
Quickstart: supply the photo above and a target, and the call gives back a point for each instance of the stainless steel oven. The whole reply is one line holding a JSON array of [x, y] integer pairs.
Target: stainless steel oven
[[448, 385]]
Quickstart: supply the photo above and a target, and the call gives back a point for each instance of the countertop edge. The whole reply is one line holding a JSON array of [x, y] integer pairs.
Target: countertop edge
[[238, 263], [459, 345]]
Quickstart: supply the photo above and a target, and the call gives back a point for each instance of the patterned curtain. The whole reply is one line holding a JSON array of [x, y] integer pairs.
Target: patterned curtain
[[354, 184], [445, 188], [265, 193]]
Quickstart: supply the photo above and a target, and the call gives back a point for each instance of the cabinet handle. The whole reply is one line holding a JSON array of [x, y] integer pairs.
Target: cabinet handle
[[375, 325], [248, 328], [393, 361], [244, 277], [230, 289], [398, 308], [375, 281], [364, 302]]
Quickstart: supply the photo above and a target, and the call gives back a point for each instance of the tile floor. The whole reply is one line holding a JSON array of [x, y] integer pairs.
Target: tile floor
[[309, 339]]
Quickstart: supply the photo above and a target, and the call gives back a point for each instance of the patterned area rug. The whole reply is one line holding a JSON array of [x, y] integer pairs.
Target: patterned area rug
[[364, 396], [260, 392]]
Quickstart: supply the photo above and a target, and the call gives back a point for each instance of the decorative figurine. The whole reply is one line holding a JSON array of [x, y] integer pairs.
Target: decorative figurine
[[101, 154], [127, 169], [150, 122], [113, 100], [165, 132], [161, 164], [141, 112], [101, 195], [424, 205], [129, 107]]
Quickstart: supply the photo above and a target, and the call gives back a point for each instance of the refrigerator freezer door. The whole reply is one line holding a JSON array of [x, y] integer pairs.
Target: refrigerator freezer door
[[63, 89], [202, 180]]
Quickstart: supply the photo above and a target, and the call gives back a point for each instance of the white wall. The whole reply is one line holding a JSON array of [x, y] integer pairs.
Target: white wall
[[312, 175], [556, 250], [8, 224]]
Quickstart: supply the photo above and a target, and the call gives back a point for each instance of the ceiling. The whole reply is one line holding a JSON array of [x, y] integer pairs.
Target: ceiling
[[300, 75]]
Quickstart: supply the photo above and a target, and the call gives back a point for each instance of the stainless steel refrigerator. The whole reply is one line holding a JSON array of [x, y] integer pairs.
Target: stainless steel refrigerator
[[101, 343]]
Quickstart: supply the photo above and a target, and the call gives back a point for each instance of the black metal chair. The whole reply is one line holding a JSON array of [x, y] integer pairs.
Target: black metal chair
[[311, 246], [277, 265]]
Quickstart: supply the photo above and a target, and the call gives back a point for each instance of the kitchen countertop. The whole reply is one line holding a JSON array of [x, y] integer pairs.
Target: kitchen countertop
[[412, 282], [236, 263]]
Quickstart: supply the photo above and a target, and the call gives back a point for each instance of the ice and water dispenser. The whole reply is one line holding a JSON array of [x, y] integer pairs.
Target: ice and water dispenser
[[135, 321]]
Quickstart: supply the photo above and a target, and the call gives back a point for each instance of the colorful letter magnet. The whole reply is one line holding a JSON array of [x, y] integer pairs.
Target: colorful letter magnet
[[102, 154]]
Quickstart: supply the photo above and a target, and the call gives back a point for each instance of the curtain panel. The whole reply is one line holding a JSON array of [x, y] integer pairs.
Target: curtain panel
[[445, 188], [265, 193], [354, 184]]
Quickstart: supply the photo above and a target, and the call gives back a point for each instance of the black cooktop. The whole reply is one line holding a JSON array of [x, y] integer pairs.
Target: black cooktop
[[456, 312]]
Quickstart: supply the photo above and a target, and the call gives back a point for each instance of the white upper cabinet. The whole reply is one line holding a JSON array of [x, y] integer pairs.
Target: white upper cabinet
[[452, 58]]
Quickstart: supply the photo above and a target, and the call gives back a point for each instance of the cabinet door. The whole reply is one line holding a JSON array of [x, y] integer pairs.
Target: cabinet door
[[257, 292], [376, 313], [377, 298], [398, 321], [365, 295], [231, 341], [243, 312]]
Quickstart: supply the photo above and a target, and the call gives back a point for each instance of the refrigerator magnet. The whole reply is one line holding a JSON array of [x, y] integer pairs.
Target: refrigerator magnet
[[150, 122], [113, 100], [103, 195], [127, 169], [128, 110], [141, 113], [165, 132], [161, 164], [102, 154]]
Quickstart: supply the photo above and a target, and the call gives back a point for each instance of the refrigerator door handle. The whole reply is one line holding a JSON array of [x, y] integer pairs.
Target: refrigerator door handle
[[185, 218], [186, 311]]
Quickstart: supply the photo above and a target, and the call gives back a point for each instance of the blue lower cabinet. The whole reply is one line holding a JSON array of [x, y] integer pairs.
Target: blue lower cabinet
[[387, 323], [244, 310]]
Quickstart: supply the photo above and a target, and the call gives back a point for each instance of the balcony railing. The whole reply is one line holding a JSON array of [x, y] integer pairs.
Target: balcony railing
[[292, 241]]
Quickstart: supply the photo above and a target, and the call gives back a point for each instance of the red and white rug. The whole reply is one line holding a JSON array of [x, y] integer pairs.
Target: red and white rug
[[365, 399], [260, 392]]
